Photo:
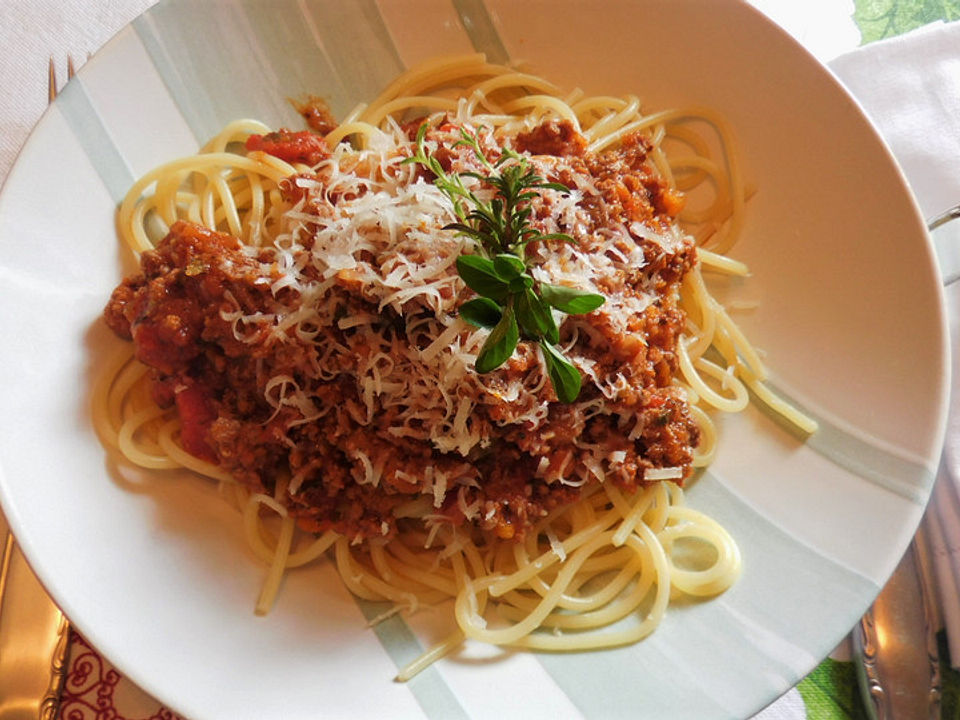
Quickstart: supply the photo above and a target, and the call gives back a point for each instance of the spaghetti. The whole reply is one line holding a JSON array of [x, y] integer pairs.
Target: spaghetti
[[591, 556]]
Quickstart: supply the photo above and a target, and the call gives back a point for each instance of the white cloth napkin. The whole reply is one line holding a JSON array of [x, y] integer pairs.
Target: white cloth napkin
[[33, 31], [910, 88]]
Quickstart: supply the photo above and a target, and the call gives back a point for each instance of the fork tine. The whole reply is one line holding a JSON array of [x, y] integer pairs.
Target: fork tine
[[51, 81], [52, 77]]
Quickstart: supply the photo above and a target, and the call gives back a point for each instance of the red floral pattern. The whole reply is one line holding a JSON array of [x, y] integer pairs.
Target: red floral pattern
[[94, 690]]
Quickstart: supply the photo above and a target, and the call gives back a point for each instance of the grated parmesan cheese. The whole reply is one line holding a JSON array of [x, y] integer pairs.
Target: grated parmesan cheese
[[364, 274]]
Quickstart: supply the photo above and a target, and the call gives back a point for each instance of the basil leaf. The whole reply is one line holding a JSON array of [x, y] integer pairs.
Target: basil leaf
[[500, 344], [519, 284], [481, 312], [480, 276], [509, 266], [535, 317], [570, 300], [565, 377]]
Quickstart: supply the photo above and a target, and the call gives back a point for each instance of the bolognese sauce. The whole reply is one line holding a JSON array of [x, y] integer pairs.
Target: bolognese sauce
[[333, 361]]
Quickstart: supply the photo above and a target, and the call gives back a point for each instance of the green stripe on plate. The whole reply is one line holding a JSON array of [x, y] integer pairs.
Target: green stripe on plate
[[899, 475], [480, 28], [428, 687], [699, 650], [82, 118], [267, 54], [203, 70], [285, 40], [865, 457], [357, 41]]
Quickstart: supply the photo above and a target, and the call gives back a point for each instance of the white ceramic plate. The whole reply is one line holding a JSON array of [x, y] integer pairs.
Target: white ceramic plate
[[152, 568]]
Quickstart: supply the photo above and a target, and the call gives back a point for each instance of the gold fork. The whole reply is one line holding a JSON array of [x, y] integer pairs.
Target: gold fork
[[52, 77], [34, 633]]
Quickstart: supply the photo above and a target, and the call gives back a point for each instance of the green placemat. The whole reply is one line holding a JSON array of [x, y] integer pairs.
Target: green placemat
[[831, 692], [879, 19]]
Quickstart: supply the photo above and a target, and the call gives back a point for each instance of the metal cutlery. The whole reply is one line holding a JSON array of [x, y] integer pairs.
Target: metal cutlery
[[895, 643], [898, 665], [34, 633]]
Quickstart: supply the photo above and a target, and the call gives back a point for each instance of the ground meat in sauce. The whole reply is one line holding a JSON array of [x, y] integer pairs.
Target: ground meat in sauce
[[316, 112], [301, 146], [552, 137], [180, 313]]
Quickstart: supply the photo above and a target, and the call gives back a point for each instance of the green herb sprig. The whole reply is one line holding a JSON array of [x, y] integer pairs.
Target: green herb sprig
[[511, 304]]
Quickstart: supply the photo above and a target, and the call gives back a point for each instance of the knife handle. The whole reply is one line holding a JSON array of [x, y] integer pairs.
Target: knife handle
[[34, 636], [896, 645]]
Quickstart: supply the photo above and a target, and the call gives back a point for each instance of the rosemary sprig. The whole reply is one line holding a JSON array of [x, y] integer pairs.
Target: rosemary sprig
[[511, 304]]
